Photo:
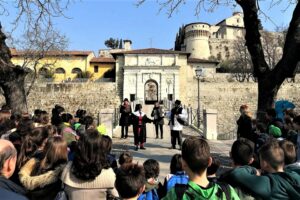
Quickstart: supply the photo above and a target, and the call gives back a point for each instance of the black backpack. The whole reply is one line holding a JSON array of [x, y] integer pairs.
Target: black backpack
[[181, 189]]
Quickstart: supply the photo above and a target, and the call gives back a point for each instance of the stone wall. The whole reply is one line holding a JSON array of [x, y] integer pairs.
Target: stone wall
[[226, 97], [92, 97]]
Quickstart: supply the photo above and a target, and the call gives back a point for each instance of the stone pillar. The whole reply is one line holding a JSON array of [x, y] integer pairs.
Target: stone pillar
[[210, 124]]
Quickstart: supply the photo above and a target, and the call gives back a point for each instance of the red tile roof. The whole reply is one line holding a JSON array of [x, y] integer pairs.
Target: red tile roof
[[150, 51], [102, 60], [15, 52], [197, 60]]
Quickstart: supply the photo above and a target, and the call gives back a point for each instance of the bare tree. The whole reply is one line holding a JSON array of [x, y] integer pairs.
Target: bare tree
[[35, 19], [269, 79]]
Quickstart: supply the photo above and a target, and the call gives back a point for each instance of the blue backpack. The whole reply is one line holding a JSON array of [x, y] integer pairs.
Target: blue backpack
[[178, 178], [150, 195]]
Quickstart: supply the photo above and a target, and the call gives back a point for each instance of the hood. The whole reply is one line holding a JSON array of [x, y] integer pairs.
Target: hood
[[152, 183], [198, 191], [40, 181]]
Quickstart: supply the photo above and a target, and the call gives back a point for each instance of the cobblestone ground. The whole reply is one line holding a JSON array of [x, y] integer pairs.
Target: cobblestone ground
[[158, 149]]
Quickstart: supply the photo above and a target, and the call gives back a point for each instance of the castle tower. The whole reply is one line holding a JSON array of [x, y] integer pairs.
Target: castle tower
[[196, 40]]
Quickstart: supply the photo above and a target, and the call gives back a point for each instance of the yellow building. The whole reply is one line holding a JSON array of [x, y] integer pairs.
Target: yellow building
[[61, 66]]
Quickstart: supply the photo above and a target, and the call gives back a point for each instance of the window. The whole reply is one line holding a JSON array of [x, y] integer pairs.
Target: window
[[43, 71], [96, 69], [76, 71], [60, 71]]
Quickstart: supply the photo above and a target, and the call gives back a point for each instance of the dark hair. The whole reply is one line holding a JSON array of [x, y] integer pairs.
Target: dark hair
[[25, 127], [176, 164], [130, 179], [296, 120], [242, 150], [4, 116], [31, 143], [271, 112], [90, 158], [261, 127], [138, 107], [151, 167], [66, 117], [56, 118], [272, 153], [88, 121], [290, 113], [56, 153], [196, 154], [125, 157], [106, 143], [289, 151], [213, 168]]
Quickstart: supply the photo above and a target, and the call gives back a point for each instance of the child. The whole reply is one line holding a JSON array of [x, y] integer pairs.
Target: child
[[195, 161], [151, 168], [125, 158], [130, 181]]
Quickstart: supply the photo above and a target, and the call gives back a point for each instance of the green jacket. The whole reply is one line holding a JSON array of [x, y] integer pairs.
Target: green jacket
[[196, 192], [275, 186]]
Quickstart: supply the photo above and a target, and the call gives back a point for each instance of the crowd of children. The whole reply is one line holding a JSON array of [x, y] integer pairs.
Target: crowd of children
[[70, 158]]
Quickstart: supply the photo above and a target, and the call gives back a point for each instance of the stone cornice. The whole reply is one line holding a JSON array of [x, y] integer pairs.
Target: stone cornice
[[176, 67]]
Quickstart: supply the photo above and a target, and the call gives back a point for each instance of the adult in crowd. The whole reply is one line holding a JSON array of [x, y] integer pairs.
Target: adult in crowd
[[56, 115], [158, 115], [89, 175], [125, 111], [139, 120], [244, 123], [8, 158], [177, 117], [295, 137], [41, 177]]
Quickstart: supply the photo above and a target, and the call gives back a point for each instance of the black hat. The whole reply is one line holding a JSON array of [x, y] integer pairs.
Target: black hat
[[178, 102], [125, 99]]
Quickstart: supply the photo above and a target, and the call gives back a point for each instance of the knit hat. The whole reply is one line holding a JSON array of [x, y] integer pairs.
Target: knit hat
[[274, 131]]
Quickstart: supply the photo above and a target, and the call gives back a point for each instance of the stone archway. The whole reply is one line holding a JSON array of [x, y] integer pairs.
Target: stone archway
[[151, 92]]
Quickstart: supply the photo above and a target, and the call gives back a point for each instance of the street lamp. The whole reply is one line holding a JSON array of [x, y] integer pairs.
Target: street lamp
[[199, 73]]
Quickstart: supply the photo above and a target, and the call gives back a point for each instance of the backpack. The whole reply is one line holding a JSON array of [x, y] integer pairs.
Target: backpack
[[150, 195], [181, 189], [178, 178]]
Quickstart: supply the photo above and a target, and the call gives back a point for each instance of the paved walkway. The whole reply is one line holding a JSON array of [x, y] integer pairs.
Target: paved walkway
[[158, 149]]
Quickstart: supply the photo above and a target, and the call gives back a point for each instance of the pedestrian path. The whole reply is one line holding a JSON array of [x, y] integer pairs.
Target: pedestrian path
[[158, 149]]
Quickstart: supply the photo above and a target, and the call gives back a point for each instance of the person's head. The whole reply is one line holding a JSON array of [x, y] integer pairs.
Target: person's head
[[88, 121], [289, 151], [271, 157], [274, 131], [138, 107], [261, 128], [177, 103], [125, 158], [25, 127], [8, 158], [156, 104], [242, 152], [56, 153], [56, 115], [288, 123], [176, 164], [90, 158], [66, 117], [213, 168], [130, 181], [151, 168], [106, 143], [290, 113], [195, 155], [4, 116], [57, 110], [296, 123], [270, 114], [32, 142], [80, 114], [244, 109], [125, 101]]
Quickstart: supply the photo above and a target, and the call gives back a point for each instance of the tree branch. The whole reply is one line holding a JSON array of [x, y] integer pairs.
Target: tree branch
[[252, 36]]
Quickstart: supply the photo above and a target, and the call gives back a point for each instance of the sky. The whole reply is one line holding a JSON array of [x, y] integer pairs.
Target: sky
[[90, 22]]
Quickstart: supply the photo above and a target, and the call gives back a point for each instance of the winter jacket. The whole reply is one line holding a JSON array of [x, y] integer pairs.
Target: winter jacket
[[158, 115], [11, 186], [44, 186], [196, 192], [176, 123], [9, 195], [125, 115], [245, 127], [92, 189], [280, 185]]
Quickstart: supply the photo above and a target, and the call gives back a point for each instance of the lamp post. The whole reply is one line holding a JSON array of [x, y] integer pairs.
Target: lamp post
[[198, 76]]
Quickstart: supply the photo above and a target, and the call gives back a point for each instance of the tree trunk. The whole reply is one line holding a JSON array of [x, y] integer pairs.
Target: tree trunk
[[12, 79]]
